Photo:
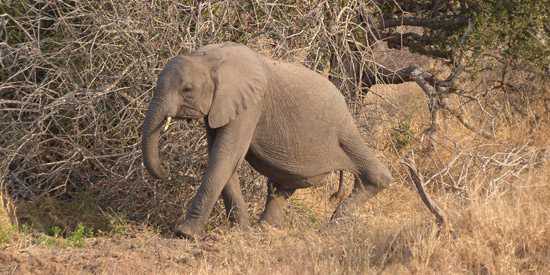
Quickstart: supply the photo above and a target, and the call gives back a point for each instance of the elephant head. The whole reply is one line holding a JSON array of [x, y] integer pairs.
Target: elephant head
[[217, 82]]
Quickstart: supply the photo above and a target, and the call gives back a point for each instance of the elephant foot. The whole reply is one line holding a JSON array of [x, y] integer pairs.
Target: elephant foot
[[239, 219], [241, 224], [349, 207], [273, 215], [272, 220], [275, 205], [187, 230]]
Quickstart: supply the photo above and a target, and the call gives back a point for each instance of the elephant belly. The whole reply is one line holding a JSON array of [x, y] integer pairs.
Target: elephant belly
[[283, 176], [291, 171]]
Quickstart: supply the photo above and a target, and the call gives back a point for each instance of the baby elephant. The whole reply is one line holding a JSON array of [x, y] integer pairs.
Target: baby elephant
[[291, 124]]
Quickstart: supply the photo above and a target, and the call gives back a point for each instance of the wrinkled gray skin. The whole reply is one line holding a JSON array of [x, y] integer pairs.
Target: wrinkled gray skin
[[290, 123]]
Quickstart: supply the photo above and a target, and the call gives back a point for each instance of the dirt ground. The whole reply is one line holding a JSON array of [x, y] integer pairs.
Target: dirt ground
[[144, 255]]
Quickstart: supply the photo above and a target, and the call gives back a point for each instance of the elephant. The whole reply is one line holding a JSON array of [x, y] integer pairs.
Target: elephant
[[290, 124]]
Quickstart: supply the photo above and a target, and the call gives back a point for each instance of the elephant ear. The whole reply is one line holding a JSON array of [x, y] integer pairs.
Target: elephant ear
[[241, 83]]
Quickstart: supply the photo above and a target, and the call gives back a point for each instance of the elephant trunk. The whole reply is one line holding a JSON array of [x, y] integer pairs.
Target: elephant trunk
[[152, 126]]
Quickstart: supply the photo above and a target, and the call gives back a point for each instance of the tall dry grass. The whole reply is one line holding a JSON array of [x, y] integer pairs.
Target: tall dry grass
[[504, 230]]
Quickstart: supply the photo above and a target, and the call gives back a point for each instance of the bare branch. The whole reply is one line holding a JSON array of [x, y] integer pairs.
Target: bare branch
[[417, 43], [387, 76]]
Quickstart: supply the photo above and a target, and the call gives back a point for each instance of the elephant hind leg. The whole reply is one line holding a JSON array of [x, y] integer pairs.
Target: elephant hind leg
[[371, 176], [276, 202], [338, 196]]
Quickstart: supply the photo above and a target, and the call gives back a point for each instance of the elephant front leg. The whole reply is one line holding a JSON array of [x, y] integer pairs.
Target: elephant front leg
[[275, 204], [215, 180], [235, 206], [226, 154]]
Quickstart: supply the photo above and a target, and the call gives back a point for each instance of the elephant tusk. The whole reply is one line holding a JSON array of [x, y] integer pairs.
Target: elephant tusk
[[167, 123]]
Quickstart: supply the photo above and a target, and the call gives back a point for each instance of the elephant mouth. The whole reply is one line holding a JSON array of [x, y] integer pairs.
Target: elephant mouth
[[188, 114], [190, 118]]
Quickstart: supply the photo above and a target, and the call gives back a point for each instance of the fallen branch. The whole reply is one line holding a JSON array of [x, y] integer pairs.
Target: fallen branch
[[418, 183]]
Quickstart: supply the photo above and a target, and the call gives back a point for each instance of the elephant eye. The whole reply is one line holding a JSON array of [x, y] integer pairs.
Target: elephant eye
[[187, 88]]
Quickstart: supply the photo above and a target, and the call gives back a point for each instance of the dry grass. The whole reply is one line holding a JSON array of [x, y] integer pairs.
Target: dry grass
[[76, 78], [505, 232]]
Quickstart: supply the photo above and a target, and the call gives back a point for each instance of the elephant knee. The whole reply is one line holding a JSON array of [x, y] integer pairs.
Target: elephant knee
[[384, 178], [379, 178]]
